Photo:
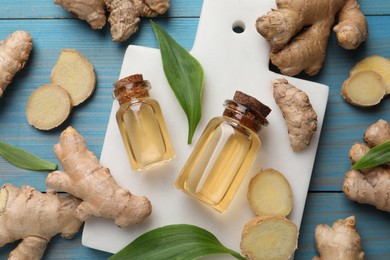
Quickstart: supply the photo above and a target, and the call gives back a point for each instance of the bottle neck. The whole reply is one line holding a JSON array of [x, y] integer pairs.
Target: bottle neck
[[131, 88], [249, 118]]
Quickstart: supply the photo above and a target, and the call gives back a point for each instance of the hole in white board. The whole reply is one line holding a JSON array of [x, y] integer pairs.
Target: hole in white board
[[238, 27]]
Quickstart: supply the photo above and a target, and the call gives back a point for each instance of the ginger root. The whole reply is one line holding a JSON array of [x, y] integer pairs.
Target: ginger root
[[48, 107], [341, 241], [298, 32], [270, 194], [124, 15], [364, 88], [14, 53], [300, 117], [34, 218], [85, 178], [92, 11], [369, 186]]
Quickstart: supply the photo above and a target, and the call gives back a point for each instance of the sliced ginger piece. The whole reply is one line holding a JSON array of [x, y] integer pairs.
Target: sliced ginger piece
[[365, 88], [270, 194], [379, 64], [75, 74], [269, 238], [48, 107]]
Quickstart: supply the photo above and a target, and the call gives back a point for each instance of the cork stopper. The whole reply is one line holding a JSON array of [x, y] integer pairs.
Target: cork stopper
[[131, 87], [246, 109]]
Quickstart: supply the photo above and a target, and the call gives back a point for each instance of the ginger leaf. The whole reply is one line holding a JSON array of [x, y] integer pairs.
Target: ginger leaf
[[185, 75], [378, 155], [180, 242], [25, 160]]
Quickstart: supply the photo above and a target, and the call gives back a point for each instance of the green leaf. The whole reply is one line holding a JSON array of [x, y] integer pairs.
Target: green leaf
[[179, 242], [185, 75], [378, 155], [23, 159]]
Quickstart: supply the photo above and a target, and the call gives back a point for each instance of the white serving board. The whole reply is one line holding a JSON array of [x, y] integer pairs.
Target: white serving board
[[231, 61]]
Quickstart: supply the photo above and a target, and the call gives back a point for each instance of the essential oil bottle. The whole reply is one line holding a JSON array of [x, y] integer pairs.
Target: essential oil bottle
[[224, 152], [141, 124]]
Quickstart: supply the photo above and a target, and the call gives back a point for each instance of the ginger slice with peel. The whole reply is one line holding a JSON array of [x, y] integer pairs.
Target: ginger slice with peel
[[75, 74], [379, 64], [270, 235], [48, 106], [364, 88], [269, 238], [270, 194]]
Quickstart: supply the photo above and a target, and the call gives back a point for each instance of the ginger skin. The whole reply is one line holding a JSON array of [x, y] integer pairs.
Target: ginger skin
[[298, 32], [124, 15], [34, 218], [341, 241], [14, 53], [369, 186], [300, 117], [92, 11], [85, 178]]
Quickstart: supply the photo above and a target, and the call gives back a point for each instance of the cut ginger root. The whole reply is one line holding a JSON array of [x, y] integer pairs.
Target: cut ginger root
[[298, 32], [85, 178], [379, 64], [34, 218], [341, 241], [75, 74], [73, 81], [299, 115], [269, 194], [269, 238], [364, 88], [14, 53], [369, 186], [48, 107], [269, 235]]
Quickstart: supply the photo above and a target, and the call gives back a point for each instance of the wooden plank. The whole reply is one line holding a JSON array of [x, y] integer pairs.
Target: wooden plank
[[325, 208], [25, 9], [321, 208]]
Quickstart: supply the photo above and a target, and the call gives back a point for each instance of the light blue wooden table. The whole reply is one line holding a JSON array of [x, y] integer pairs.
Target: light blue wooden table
[[53, 29]]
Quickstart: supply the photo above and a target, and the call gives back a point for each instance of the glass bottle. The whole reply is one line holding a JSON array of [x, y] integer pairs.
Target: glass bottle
[[225, 152], [141, 124]]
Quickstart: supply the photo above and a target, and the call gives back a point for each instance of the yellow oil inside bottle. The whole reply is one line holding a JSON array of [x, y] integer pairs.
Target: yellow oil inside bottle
[[219, 163], [144, 133]]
